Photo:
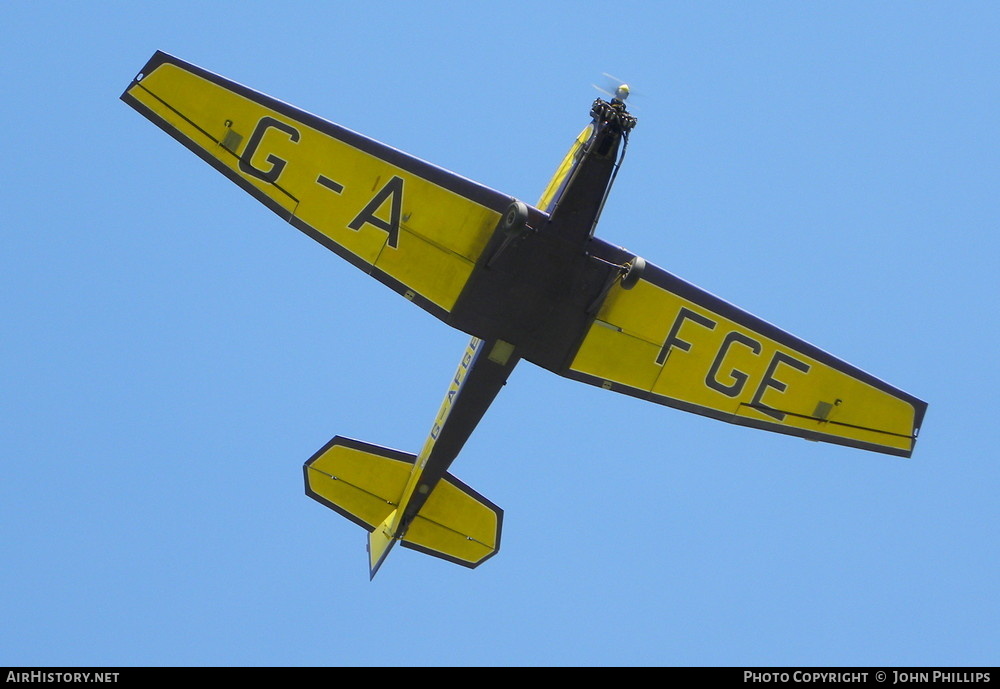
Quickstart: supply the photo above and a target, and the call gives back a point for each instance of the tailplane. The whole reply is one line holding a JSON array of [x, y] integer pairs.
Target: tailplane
[[365, 483], [456, 524]]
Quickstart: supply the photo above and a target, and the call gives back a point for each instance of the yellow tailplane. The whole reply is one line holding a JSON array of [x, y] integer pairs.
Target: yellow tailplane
[[365, 483]]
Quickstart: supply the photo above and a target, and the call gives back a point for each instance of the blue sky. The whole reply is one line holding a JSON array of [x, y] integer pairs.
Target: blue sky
[[171, 352]]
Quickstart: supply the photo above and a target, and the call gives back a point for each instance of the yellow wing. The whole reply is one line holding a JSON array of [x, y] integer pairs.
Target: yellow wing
[[670, 342], [411, 225]]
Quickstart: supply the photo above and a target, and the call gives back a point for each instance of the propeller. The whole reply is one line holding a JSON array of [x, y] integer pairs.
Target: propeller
[[613, 87]]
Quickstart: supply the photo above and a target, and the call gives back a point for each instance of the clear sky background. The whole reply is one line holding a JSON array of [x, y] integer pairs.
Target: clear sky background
[[171, 352]]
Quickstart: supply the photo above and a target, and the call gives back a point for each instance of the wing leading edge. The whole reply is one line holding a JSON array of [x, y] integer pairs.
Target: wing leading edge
[[670, 342], [415, 227]]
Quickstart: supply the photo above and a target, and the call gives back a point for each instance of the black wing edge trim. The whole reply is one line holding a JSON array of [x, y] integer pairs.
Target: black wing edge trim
[[742, 420], [448, 476], [463, 186], [670, 282], [354, 445]]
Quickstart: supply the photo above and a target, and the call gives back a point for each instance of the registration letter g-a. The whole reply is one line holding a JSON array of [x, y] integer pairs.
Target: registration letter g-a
[[277, 164]]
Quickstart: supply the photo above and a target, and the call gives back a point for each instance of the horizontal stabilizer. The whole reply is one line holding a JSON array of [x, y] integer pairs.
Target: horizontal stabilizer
[[366, 482], [456, 524], [361, 481]]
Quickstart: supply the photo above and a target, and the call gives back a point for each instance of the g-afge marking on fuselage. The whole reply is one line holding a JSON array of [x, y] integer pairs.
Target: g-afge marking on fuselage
[[456, 385], [525, 282]]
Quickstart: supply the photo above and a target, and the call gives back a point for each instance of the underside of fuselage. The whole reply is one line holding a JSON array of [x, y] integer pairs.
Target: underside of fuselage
[[532, 295], [538, 290]]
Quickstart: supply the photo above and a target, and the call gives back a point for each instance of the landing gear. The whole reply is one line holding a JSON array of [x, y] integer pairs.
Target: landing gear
[[513, 223], [627, 275], [515, 218], [632, 272]]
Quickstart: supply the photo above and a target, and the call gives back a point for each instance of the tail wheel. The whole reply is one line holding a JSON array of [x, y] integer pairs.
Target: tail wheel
[[633, 272]]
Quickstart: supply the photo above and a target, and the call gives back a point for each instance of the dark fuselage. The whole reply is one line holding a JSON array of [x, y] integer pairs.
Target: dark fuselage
[[530, 297]]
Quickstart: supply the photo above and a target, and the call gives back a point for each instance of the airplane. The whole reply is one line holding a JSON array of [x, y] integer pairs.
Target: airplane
[[526, 282]]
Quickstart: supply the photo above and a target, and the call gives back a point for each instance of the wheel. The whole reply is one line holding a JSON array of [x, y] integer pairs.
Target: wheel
[[634, 273], [515, 218]]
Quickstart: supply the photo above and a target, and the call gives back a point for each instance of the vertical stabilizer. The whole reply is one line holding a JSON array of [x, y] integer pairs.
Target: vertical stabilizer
[[379, 544]]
